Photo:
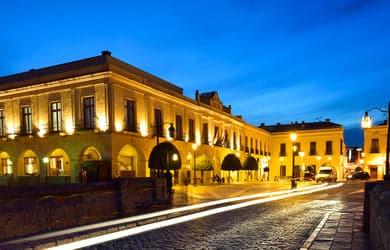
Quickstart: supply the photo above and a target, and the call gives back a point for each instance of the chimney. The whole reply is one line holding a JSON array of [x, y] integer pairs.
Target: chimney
[[197, 95], [106, 53]]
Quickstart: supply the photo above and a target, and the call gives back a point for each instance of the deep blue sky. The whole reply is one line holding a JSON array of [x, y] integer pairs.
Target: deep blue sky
[[273, 61]]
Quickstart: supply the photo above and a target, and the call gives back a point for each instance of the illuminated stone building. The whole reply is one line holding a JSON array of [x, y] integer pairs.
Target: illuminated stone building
[[55, 120], [374, 154], [317, 144], [101, 111]]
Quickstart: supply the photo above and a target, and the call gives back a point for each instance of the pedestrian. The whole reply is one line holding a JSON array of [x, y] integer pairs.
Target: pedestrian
[[84, 176], [218, 179], [168, 176]]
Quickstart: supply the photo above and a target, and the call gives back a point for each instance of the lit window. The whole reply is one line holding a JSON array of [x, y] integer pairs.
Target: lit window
[[130, 116], [282, 149], [329, 149], [158, 122], [179, 128], [2, 123], [205, 134], [56, 117], [191, 130], [89, 113], [313, 148], [27, 120], [374, 145]]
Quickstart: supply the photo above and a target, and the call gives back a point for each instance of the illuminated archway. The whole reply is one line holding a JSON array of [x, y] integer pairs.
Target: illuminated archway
[[5, 164], [58, 163], [164, 156], [128, 161], [91, 153], [28, 164]]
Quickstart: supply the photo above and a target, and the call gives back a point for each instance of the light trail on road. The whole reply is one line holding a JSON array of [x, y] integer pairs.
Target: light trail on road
[[155, 214], [152, 226]]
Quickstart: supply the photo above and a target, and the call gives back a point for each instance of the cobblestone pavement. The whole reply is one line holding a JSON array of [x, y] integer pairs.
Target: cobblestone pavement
[[326, 220]]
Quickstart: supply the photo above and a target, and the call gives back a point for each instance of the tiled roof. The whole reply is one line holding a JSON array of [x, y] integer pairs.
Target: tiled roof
[[102, 63], [296, 126]]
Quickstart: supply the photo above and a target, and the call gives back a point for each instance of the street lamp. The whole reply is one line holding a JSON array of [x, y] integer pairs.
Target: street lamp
[[367, 123], [194, 147], [293, 137], [45, 162], [171, 130]]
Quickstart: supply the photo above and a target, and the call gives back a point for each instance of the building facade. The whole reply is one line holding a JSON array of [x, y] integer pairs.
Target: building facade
[[316, 144], [374, 151], [55, 120]]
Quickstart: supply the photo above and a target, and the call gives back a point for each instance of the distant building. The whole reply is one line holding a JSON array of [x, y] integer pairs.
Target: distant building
[[317, 144], [374, 150]]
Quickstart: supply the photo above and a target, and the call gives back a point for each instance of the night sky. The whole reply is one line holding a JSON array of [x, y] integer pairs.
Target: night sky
[[273, 61]]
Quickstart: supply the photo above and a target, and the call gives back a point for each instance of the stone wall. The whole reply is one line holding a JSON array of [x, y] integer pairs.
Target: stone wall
[[377, 213], [37, 209]]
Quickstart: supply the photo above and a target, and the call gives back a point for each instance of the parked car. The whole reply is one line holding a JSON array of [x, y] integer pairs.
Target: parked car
[[326, 174], [358, 175]]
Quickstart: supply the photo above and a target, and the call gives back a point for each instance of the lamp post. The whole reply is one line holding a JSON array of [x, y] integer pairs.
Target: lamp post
[[367, 123], [293, 137], [45, 162], [194, 147]]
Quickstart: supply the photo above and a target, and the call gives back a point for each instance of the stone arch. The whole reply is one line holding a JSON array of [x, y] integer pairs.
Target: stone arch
[[90, 153], [6, 164], [164, 156], [128, 161], [28, 163], [58, 163]]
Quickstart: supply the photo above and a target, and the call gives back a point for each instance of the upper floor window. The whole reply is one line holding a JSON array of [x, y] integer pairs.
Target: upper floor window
[[205, 133], [328, 149], [226, 139], [179, 127], [261, 148], [234, 140], [246, 144], [27, 120], [374, 145], [89, 112], [282, 149], [216, 139], [158, 122], [130, 116], [191, 130], [297, 146], [313, 148], [55, 117], [2, 123], [256, 146]]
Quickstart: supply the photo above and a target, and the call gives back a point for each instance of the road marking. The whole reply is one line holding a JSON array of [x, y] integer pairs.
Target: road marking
[[316, 231]]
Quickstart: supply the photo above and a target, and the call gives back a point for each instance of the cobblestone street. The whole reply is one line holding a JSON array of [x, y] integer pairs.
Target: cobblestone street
[[283, 224]]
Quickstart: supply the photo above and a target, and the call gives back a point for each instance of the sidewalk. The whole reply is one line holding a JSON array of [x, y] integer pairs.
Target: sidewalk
[[339, 229]]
